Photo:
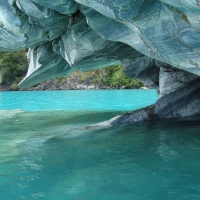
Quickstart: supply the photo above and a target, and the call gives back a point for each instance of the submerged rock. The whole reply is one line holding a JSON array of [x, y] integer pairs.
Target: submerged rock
[[157, 41]]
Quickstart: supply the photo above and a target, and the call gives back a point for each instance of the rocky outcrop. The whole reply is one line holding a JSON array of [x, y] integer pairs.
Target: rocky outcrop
[[74, 83], [179, 97], [155, 40]]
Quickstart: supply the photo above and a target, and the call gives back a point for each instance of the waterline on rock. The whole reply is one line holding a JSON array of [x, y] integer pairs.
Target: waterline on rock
[[51, 155], [55, 159]]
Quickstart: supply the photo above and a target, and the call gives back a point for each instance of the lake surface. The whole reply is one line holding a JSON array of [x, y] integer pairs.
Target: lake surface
[[77, 100], [46, 153]]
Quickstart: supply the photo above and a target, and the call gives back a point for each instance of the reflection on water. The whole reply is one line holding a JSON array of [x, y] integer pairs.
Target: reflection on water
[[49, 155]]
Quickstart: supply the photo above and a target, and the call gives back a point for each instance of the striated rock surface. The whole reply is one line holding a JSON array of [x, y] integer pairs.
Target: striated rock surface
[[179, 97], [157, 41]]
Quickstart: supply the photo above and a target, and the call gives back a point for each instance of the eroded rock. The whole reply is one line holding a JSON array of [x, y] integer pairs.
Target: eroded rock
[[155, 40], [179, 97]]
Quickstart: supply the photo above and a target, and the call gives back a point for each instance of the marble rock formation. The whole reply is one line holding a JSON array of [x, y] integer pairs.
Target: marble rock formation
[[155, 40]]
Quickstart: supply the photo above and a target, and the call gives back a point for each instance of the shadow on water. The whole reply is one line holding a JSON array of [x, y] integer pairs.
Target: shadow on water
[[48, 155], [18, 121]]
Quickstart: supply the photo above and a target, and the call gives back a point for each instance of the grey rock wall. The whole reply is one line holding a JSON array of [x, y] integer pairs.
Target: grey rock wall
[[179, 97], [151, 38]]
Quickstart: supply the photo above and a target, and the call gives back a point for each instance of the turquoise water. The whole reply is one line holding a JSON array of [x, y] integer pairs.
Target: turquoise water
[[76, 100], [46, 153]]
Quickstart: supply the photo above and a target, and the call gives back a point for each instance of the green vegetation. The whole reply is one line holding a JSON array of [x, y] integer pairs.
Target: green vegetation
[[113, 76], [117, 78], [13, 67]]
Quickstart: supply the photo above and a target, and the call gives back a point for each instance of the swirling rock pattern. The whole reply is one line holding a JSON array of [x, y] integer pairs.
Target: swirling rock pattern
[[155, 40]]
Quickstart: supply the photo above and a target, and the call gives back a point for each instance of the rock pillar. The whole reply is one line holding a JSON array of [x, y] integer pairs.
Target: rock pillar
[[179, 96]]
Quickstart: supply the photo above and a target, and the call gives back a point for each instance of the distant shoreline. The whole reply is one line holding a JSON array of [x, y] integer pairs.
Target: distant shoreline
[[43, 87], [68, 84]]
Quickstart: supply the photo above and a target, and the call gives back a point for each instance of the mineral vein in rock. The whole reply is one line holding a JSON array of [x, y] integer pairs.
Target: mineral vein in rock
[[155, 40]]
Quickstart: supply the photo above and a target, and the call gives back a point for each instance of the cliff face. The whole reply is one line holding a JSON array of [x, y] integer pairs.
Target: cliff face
[[155, 40]]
